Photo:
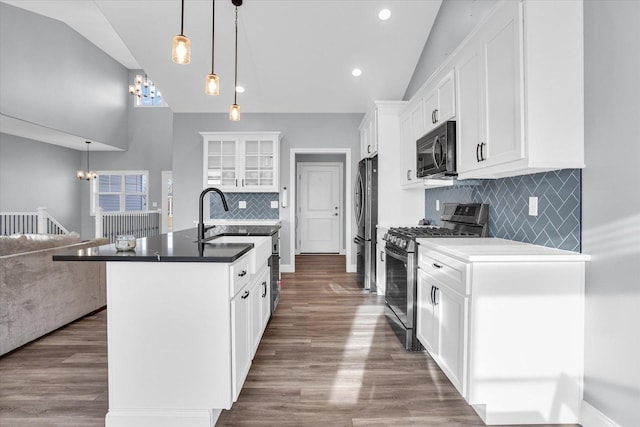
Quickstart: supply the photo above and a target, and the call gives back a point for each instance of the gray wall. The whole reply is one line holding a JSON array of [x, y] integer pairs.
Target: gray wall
[[298, 131], [149, 140], [52, 76], [34, 174], [455, 20], [611, 208]]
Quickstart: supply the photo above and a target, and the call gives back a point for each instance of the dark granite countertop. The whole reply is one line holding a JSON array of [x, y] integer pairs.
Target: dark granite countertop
[[179, 246]]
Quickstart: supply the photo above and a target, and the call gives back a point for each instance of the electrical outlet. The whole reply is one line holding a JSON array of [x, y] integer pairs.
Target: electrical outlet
[[274, 204], [438, 205], [533, 206], [154, 204], [242, 204]]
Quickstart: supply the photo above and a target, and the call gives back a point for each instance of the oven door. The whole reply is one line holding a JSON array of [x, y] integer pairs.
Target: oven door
[[400, 277]]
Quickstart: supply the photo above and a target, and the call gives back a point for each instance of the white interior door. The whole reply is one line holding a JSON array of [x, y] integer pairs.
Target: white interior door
[[319, 207]]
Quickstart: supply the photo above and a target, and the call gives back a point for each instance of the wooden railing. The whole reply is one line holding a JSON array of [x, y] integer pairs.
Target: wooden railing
[[139, 224], [39, 222]]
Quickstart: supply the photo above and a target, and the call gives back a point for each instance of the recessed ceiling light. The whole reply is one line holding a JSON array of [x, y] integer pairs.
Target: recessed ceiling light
[[384, 14], [356, 72], [239, 89]]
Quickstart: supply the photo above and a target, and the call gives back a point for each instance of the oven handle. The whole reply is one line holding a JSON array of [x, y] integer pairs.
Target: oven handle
[[399, 257]]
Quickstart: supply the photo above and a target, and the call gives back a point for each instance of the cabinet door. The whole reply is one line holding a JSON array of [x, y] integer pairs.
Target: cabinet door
[[240, 339], [260, 162], [381, 275], [265, 299], [503, 118], [451, 309], [426, 327], [469, 124], [255, 316], [430, 111], [221, 164], [365, 146], [407, 152], [446, 99], [411, 133]]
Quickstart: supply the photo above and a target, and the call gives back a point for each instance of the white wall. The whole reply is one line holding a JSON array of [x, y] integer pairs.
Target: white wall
[[298, 131], [611, 208], [52, 76], [34, 174]]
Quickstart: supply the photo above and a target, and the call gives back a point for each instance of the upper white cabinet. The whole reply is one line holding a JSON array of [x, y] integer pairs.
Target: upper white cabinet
[[519, 80], [439, 105], [369, 135], [241, 162]]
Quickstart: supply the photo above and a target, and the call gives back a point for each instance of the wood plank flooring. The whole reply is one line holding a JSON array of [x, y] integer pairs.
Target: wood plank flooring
[[327, 358]]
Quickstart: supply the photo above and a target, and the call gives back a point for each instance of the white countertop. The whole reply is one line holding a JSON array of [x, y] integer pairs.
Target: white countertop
[[498, 250]]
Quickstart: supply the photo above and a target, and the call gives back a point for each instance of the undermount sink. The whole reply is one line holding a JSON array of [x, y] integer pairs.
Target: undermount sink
[[257, 257]]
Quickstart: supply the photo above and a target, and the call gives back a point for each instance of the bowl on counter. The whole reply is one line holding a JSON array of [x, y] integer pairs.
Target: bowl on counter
[[125, 242]]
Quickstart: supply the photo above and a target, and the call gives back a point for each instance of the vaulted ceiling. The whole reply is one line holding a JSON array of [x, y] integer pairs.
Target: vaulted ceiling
[[293, 55]]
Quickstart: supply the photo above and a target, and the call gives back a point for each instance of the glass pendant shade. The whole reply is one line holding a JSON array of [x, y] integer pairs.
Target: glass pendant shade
[[80, 174], [212, 84], [181, 49], [234, 113]]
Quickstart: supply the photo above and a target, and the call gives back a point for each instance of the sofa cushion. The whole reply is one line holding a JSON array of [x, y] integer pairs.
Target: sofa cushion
[[19, 243]]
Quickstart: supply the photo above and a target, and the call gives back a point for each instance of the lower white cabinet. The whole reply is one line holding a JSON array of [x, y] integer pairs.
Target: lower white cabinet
[[505, 322], [441, 326], [381, 261], [260, 307], [241, 353]]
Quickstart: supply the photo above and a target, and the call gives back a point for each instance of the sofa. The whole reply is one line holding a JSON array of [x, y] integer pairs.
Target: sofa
[[38, 295]]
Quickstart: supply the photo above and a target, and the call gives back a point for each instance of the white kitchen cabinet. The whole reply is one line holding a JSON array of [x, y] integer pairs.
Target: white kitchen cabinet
[[441, 317], [413, 128], [509, 326], [439, 105], [369, 134], [260, 307], [241, 162], [516, 114], [241, 341], [381, 273]]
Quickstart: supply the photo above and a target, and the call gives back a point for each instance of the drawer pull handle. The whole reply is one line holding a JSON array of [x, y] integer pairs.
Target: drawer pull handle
[[246, 295], [242, 273], [264, 293], [436, 265]]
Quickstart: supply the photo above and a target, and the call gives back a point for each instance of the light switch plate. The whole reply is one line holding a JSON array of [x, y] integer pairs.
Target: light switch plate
[[274, 204], [154, 204], [438, 205], [242, 204], [533, 206]]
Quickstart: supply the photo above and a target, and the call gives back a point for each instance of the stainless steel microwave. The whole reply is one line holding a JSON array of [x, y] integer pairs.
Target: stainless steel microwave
[[436, 152]]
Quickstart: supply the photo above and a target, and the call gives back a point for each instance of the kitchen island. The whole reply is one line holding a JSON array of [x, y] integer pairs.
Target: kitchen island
[[184, 321]]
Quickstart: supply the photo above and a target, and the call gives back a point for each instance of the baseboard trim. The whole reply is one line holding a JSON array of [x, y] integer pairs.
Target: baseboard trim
[[591, 417], [352, 268], [286, 268]]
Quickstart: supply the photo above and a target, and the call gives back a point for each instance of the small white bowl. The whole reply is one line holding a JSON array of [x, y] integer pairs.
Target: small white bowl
[[125, 242]]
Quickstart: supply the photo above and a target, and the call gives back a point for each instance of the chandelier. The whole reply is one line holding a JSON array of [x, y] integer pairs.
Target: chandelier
[[143, 87], [87, 175]]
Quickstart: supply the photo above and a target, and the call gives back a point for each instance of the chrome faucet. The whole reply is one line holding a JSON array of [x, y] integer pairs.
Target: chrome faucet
[[201, 228]]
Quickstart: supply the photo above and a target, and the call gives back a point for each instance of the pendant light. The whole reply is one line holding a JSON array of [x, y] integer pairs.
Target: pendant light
[[212, 82], [181, 46], [87, 175], [234, 110]]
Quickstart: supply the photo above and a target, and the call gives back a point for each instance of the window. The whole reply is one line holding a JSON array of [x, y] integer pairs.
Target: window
[[120, 191]]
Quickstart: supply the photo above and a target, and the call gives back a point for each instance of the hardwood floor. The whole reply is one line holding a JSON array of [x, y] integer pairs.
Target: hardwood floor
[[327, 358]]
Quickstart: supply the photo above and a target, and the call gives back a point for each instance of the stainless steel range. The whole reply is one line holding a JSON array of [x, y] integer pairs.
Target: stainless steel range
[[459, 220]]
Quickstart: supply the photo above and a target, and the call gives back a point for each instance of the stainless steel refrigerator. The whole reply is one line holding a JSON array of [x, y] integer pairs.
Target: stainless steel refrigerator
[[366, 212]]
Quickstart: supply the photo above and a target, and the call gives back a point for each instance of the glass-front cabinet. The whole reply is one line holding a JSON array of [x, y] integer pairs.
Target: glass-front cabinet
[[241, 162]]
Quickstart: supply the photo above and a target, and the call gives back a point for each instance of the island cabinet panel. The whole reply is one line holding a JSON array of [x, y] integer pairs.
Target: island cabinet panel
[[169, 342], [181, 338], [505, 322]]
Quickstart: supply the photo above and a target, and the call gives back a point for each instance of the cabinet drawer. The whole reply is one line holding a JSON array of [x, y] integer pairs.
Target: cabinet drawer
[[444, 269], [240, 275]]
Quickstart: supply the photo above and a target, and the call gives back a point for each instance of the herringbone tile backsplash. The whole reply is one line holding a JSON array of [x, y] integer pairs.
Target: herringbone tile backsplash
[[258, 206], [559, 206]]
